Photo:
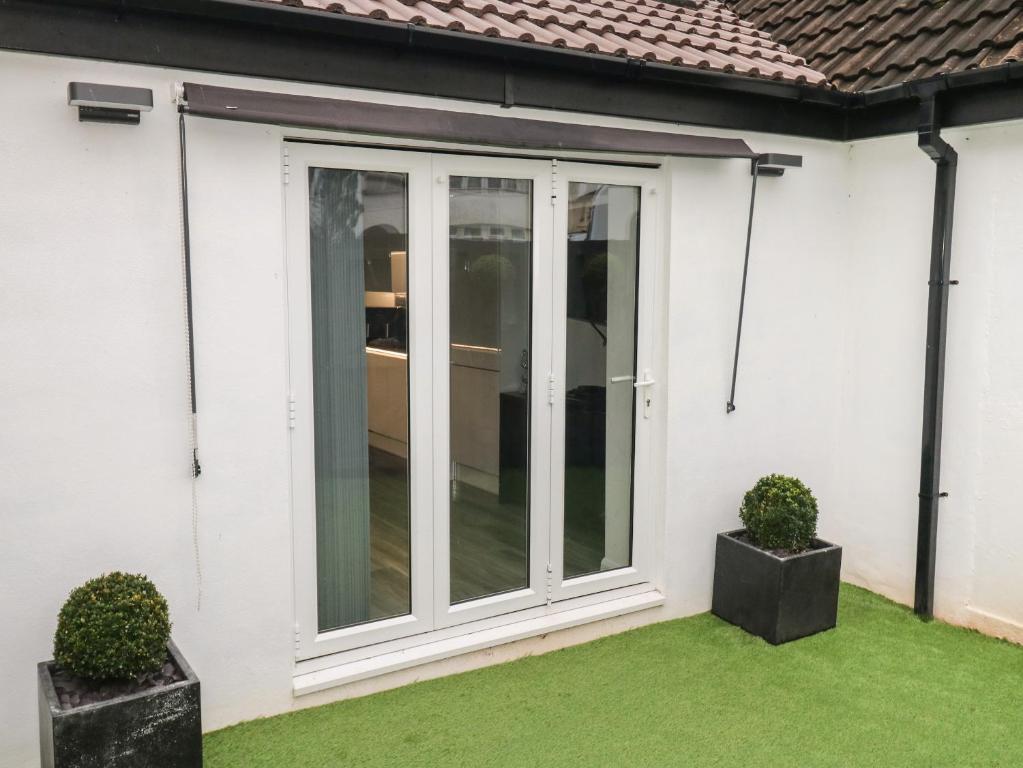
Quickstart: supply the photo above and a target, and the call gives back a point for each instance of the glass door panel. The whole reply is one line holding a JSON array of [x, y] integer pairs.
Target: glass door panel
[[604, 224], [353, 343], [357, 245], [490, 253], [494, 237], [600, 368]]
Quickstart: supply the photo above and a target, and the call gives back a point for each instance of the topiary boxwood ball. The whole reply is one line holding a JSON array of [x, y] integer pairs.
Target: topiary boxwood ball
[[780, 512], [113, 627]]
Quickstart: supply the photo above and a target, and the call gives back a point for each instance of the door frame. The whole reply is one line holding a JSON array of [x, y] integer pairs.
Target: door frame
[[427, 171]]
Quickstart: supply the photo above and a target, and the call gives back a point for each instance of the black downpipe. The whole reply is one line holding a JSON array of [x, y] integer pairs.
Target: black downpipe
[[946, 160]]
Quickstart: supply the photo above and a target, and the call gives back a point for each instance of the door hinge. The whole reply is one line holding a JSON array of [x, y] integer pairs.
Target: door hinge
[[286, 165], [550, 583], [298, 639], [554, 181], [291, 410], [550, 388]]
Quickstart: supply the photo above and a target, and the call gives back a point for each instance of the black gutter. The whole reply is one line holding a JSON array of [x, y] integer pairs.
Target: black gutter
[[946, 161], [931, 86], [970, 97]]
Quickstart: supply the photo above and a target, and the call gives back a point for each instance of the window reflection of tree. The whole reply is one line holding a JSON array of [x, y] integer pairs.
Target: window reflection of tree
[[490, 244]]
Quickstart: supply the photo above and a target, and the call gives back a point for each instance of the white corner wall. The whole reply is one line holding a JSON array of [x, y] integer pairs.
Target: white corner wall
[[980, 534], [789, 382], [94, 464]]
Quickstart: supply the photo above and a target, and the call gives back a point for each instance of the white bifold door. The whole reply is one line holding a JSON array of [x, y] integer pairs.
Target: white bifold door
[[471, 386]]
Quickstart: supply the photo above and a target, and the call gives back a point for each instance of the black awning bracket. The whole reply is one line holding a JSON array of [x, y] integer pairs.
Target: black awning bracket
[[774, 164]]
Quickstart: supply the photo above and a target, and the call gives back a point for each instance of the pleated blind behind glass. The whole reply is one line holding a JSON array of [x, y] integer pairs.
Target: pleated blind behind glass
[[358, 241]]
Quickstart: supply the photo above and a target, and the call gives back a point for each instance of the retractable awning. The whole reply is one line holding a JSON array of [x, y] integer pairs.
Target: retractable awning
[[445, 125]]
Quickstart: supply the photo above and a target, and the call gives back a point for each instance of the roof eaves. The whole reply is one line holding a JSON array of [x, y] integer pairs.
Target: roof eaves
[[266, 41], [646, 29], [316, 21]]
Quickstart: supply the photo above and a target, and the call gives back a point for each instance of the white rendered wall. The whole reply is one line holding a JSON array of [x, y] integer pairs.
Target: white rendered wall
[[93, 396], [789, 382], [890, 207], [94, 466], [94, 471], [980, 530]]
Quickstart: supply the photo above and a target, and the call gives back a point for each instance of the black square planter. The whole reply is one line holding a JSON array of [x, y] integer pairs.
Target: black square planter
[[777, 598], [157, 728]]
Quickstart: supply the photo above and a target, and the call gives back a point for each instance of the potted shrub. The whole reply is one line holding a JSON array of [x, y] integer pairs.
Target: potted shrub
[[118, 692], [775, 578]]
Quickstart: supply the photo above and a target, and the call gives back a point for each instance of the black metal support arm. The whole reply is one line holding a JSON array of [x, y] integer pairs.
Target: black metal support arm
[[762, 165], [186, 237], [730, 405], [945, 159]]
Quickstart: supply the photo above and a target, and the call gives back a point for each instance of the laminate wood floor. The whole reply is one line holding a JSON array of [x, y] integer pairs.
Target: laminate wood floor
[[489, 540]]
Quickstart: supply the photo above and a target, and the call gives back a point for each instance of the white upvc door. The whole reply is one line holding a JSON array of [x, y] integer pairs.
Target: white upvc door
[[492, 351], [388, 375], [601, 534], [472, 371]]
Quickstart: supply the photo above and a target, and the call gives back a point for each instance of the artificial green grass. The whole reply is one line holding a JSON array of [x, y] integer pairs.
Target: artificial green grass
[[883, 689]]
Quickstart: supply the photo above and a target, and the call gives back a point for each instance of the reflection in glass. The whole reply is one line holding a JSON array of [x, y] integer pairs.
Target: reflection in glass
[[603, 254], [358, 241], [490, 259]]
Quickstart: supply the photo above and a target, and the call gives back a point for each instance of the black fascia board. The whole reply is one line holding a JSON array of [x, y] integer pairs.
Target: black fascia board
[[274, 41], [319, 22], [970, 97], [294, 44]]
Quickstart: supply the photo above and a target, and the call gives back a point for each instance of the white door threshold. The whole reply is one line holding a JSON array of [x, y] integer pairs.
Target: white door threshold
[[350, 672]]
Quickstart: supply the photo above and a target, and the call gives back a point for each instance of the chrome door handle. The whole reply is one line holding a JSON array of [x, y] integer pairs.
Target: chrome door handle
[[619, 379]]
